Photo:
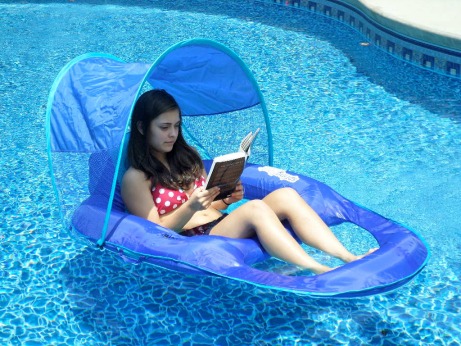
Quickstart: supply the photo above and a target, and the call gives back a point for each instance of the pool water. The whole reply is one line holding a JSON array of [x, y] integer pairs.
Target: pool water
[[383, 133]]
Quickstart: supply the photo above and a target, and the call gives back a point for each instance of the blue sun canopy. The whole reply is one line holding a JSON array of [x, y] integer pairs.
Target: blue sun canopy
[[92, 99]]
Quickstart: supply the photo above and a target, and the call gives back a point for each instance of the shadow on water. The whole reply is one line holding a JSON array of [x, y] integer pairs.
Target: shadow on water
[[438, 94], [118, 302]]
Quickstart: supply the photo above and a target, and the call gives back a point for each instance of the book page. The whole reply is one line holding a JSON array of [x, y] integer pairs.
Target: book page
[[226, 174], [226, 170]]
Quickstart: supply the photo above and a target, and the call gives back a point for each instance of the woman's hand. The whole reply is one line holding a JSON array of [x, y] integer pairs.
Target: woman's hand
[[201, 199], [236, 196]]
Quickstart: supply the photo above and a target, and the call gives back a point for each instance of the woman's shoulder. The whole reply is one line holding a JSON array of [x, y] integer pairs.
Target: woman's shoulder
[[133, 176]]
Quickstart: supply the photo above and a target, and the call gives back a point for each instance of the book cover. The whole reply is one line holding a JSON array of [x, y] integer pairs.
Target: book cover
[[226, 169]]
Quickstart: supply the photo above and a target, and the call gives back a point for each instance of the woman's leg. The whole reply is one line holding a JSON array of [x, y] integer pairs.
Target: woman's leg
[[310, 228], [257, 217]]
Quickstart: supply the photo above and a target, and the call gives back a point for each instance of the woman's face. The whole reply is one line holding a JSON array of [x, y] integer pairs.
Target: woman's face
[[163, 132]]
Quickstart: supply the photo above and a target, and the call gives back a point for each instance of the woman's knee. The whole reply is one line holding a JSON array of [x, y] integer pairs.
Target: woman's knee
[[259, 214], [282, 201], [288, 192], [284, 196], [257, 207]]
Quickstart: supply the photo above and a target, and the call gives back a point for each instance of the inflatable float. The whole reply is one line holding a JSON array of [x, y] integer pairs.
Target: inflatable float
[[88, 115]]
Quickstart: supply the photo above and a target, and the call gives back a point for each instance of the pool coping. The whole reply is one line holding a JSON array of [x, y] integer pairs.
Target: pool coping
[[430, 21], [390, 26]]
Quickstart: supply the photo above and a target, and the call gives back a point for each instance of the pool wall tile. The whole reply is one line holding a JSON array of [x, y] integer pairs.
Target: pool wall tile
[[439, 59], [390, 47], [428, 61], [407, 54], [340, 15], [453, 69]]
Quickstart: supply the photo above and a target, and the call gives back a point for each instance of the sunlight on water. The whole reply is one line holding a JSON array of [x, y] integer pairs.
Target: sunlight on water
[[382, 133]]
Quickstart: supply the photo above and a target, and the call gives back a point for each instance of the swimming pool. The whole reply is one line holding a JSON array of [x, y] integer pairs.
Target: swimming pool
[[382, 133]]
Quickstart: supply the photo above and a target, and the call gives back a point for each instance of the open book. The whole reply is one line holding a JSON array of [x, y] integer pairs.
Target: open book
[[226, 170]]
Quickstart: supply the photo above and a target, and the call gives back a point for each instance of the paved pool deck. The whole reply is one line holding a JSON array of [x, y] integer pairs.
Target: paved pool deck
[[433, 21]]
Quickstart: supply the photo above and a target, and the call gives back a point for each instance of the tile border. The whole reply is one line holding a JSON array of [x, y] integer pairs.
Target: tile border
[[425, 55]]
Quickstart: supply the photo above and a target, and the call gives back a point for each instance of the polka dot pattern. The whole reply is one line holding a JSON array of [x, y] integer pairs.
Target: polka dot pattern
[[167, 200]]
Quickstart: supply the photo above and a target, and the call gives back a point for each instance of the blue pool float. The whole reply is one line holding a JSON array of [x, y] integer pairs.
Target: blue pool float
[[88, 115]]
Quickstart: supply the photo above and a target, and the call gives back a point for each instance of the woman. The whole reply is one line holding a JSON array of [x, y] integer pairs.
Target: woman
[[164, 184]]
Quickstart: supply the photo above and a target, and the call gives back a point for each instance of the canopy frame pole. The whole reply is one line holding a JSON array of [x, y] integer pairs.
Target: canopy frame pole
[[102, 239]]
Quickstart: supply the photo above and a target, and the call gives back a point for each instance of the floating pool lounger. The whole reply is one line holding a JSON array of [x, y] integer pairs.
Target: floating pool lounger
[[88, 117]]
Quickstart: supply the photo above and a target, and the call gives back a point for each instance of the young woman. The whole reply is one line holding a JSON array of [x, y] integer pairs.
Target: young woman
[[165, 184]]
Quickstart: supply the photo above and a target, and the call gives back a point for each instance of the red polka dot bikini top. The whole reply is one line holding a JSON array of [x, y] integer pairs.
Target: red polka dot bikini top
[[167, 200]]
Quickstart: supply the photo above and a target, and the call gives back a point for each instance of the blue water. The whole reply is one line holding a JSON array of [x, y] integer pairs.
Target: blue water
[[385, 134]]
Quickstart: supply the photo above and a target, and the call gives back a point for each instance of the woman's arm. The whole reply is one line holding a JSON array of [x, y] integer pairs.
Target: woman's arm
[[236, 196], [137, 196]]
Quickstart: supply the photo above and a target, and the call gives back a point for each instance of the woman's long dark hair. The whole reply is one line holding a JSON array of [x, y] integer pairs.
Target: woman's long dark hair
[[184, 161]]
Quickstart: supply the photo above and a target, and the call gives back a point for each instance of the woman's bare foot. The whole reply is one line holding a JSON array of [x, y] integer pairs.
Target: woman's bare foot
[[352, 258], [320, 269], [309, 271], [366, 254]]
